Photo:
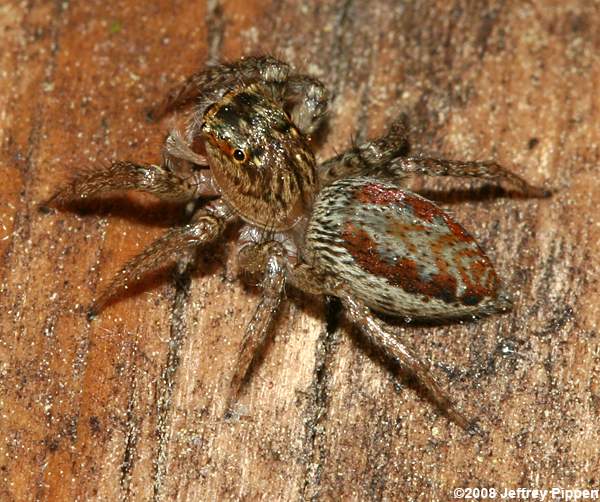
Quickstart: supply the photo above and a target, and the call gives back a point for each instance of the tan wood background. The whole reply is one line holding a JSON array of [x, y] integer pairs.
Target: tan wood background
[[130, 407]]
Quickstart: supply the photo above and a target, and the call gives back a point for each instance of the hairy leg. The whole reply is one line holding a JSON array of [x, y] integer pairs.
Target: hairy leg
[[268, 258], [386, 157], [171, 181], [369, 159], [306, 95], [204, 229], [309, 99], [384, 339], [306, 279], [124, 175], [211, 83], [473, 169]]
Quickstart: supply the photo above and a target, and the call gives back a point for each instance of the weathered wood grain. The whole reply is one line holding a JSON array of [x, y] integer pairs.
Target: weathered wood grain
[[130, 407]]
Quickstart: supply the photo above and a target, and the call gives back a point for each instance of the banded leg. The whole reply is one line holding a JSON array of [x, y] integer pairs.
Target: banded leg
[[307, 279], [204, 229], [386, 157], [211, 83], [267, 257], [360, 315], [485, 170], [171, 181], [372, 158], [123, 175]]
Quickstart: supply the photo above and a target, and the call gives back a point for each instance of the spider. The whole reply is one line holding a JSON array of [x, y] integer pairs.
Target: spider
[[343, 227]]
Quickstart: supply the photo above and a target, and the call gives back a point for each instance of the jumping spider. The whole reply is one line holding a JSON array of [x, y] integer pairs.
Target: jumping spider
[[342, 228]]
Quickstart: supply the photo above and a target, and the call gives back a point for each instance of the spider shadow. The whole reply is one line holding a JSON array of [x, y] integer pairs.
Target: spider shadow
[[204, 261], [147, 212], [484, 193]]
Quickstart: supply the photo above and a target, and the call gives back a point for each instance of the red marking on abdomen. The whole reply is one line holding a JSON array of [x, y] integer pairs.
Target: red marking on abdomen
[[480, 281], [404, 273], [376, 193]]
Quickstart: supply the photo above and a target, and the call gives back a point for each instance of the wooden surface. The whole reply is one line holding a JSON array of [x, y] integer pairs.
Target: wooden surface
[[130, 407]]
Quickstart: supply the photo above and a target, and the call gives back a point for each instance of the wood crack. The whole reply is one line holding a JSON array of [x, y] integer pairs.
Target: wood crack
[[313, 442], [166, 383]]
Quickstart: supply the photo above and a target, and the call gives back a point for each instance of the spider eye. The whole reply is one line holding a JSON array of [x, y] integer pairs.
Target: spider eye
[[239, 155]]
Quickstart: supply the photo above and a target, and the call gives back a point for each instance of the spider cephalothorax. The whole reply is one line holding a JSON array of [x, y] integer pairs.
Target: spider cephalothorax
[[344, 227], [262, 164]]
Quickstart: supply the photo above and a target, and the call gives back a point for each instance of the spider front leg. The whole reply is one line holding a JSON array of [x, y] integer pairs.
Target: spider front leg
[[310, 99], [170, 181], [306, 96], [269, 259], [204, 228], [210, 84]]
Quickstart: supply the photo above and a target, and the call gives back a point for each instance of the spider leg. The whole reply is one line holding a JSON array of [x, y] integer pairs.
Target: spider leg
[[307, 279], [124, 175], [374, 329], [267, 257], [485, 170], [204, 229], [309, 99], [368, 159], [211, 83], [307, 95], [386, 157], [171, 181]]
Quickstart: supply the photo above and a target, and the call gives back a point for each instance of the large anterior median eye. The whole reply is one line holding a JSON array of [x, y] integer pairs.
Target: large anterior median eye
[[239, 155]]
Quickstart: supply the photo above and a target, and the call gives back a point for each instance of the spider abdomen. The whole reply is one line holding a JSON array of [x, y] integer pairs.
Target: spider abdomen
[[400, 253]]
